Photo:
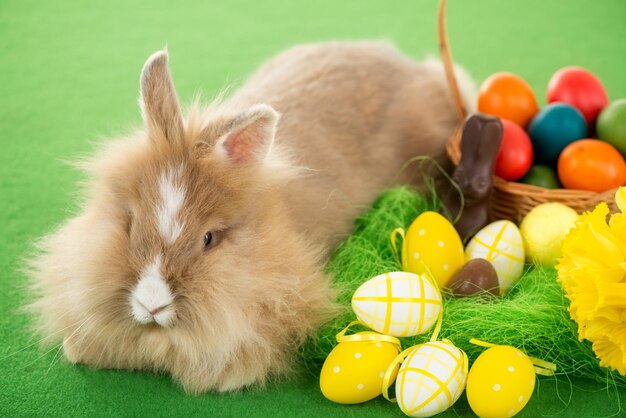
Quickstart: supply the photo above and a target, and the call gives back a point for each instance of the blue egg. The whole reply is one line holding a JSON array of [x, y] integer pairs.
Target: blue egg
[[553, 128]]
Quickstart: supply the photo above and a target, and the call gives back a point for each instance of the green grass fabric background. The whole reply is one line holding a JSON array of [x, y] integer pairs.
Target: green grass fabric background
[[69, 74]]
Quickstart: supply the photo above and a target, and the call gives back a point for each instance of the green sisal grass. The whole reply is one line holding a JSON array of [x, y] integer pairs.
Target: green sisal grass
[[533, 316]]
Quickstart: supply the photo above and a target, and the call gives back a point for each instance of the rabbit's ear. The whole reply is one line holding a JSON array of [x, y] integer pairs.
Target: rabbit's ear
[[250, 135], [159, 104]]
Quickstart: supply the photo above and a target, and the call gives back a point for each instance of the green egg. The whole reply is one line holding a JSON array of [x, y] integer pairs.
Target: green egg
[[542, 176], [611, 125]]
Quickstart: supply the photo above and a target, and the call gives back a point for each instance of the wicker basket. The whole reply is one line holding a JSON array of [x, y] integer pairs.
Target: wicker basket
[[511, 200]]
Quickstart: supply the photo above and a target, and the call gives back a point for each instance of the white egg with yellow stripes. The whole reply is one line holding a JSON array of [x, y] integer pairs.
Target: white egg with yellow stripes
[[431, 378], [501, 244], [398, 303]]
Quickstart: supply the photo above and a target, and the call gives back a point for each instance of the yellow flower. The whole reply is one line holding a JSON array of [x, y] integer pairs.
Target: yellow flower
[[592, 272]]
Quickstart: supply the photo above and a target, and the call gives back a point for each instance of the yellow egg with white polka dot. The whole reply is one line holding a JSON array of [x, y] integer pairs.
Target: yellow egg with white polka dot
[[501, 244], [431, 379], [398, 303], [432, 243], [354, 370], [500, 382]]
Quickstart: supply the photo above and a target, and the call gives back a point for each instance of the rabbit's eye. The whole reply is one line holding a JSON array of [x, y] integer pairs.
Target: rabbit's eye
[[212, 238], [208, 240]]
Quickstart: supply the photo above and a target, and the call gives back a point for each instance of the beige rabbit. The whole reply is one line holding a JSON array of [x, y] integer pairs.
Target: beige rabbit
[[200, 246]]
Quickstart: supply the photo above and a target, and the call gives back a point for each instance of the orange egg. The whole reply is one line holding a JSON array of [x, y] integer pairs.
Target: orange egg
[[508, 96], [591, 164]]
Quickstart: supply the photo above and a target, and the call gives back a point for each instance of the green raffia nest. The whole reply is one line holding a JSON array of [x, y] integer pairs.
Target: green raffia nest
[[533, 316]]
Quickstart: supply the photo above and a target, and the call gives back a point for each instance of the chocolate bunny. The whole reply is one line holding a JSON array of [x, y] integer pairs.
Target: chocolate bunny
[[480, 143]]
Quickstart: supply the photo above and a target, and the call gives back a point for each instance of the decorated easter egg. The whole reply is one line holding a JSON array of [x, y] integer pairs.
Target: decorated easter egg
[[399, 303], [508, 96], [543, 230], [579, 88], [500, 382], [516, 152], [611, 125], [542, 176], [431, 379], [501, 244], [591, 164], [431, 243], [553, 128], [476, 276], [354, 370]]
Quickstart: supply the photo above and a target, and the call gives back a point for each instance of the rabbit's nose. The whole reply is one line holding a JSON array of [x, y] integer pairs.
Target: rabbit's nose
[[151, 300], [146, 313], [155, 311]]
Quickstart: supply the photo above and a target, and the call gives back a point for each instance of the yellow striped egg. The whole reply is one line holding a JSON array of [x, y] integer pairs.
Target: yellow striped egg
[[354, 370], [399, 303], [501, 244], [431, 379], [432, 243]]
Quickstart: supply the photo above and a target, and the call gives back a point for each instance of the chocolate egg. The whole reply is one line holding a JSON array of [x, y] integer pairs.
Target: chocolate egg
[[476, 276]]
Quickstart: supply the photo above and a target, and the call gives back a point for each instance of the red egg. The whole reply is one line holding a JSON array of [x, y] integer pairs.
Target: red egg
[[579, 88], [516, 152]]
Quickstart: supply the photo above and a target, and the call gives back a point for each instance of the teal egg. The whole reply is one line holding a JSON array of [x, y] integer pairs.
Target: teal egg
[[553, 128], [542, 176], [611, 125]]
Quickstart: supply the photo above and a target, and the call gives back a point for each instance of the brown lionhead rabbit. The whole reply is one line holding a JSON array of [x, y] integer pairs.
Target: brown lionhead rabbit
[[200, 246]]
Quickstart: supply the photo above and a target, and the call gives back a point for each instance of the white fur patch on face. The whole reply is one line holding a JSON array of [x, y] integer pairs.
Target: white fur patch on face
[[172, 199], [151, 299]]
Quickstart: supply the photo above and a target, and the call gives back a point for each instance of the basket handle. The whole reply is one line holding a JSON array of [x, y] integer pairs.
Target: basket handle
[[448, 63]]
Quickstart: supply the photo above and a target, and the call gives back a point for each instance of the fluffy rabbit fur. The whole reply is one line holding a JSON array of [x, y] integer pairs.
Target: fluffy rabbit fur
[[200, 246]]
